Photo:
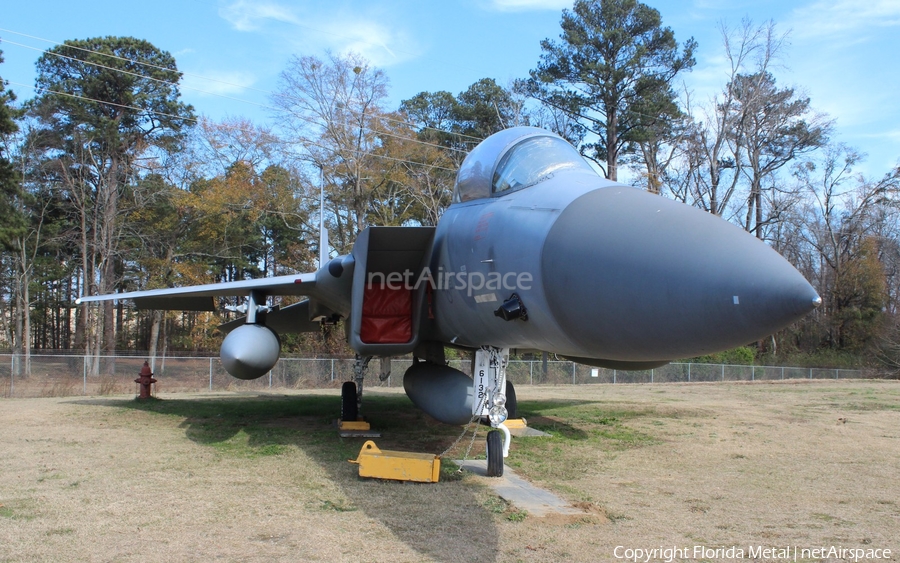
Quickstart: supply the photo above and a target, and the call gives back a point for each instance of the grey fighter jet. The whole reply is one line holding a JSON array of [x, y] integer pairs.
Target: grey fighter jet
[[536, 252]]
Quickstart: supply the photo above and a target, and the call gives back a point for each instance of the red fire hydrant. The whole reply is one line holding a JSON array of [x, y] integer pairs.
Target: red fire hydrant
[[145, 380]]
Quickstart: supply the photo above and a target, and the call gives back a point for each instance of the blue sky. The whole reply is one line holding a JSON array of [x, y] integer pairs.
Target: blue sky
[[841, 53]]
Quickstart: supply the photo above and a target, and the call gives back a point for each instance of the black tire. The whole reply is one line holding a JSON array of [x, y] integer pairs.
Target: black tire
[[511, 406], [494, 454], [349, 410]]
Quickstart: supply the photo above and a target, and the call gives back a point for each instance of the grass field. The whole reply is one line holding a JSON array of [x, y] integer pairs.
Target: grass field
[[257, 477]]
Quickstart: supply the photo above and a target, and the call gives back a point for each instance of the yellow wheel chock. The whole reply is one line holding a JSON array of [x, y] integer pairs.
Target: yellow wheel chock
[[353, 425], [400, 466], [516, 423], [356, 429]]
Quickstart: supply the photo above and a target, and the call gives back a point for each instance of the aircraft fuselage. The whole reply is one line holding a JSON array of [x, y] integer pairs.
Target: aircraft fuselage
[[607, 272]]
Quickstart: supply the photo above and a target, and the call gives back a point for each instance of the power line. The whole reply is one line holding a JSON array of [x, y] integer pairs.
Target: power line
[[269, 93], [150, 65], [114, 104], [123, 71], [176, 85], [197, 120], [576, 115]]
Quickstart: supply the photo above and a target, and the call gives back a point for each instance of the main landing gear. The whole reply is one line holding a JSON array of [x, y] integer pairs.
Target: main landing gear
[[351, 423], [349, 405], [352, 391]]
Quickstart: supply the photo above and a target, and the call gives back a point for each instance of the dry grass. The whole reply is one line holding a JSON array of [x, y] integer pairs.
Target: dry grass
[[244, 477]]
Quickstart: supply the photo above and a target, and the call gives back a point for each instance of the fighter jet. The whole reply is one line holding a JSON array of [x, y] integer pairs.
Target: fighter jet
[[536, 252]]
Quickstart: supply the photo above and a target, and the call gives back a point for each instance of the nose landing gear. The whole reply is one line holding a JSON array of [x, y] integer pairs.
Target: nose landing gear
[[490, 400]]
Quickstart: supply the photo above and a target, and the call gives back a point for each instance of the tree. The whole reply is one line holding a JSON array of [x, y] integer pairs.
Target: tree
[[710, 168], [436, 115], [612, 71], [104, 104], [331, 110], [448, 127], [745, 134], [775, 127], [417, 175], [220, 145], [11, 221], [485, 108], [659, 137], [556, 120], [848, 224], [462, 121]]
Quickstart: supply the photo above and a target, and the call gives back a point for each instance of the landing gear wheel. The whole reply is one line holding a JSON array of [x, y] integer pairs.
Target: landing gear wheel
[[494, 454], [349, 408], [511, 405]]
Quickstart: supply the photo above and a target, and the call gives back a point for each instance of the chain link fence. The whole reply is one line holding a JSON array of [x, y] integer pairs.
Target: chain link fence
[[67, 375]]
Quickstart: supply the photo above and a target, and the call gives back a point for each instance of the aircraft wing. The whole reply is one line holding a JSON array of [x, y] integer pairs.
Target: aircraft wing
[[202, 297]]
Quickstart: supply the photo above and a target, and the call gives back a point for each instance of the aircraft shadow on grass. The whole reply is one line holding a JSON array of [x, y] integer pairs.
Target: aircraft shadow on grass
[[272, 422]]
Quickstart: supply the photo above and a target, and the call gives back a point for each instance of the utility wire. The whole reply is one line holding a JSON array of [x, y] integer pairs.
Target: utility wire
[[301, 117], [176, 85], [197, 120], [273, 94], [226, 83]]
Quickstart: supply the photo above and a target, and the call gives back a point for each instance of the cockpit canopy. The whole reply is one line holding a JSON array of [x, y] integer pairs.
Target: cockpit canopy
[[514, 159]]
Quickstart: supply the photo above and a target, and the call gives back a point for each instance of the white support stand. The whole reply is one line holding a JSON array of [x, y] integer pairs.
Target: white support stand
[[507, 438]]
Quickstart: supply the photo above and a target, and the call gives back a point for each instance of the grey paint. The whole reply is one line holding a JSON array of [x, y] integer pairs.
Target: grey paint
[[446, 394], [283, 320], [250, 351], [658, 280], [169, 303], [620, 275], [294, 284], [617, 276]]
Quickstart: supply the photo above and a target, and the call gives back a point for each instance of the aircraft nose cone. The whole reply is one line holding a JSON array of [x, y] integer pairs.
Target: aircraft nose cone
[[635, 277]]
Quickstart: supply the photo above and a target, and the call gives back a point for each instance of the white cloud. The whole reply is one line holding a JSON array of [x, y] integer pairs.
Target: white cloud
[[218, 83], [528, 5], [892, 135], [246, 15], [378, 37], [825, 18], [379, 44]]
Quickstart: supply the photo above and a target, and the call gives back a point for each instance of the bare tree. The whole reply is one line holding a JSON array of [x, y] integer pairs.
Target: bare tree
[[234, 139], [710, 170], [330, 110], [848, 224], [775, 127]]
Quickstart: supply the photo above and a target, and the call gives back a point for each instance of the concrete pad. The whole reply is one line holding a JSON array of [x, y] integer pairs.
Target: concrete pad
[[527, 432], [525, 496], [359, 434]]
